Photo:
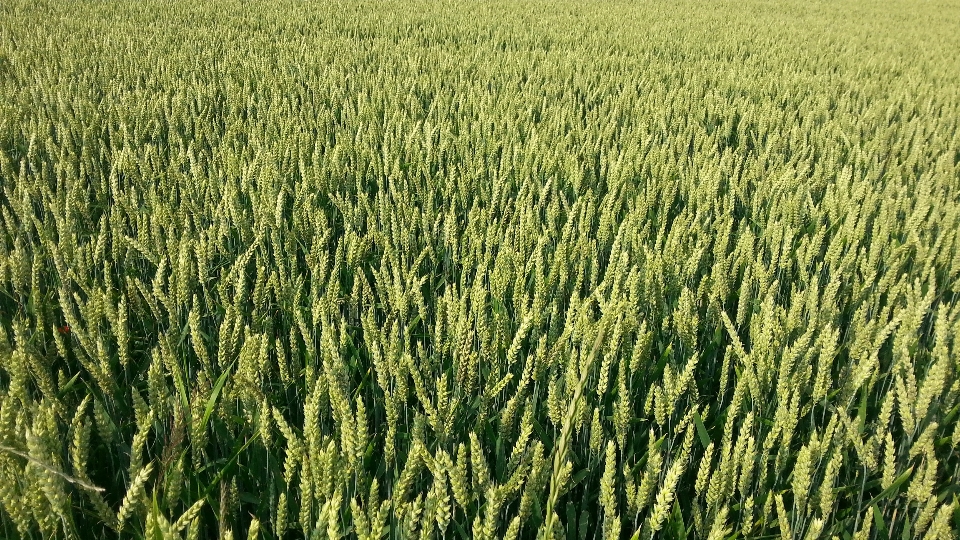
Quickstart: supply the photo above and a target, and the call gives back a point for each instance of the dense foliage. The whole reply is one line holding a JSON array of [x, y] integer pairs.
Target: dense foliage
[[479, 269]]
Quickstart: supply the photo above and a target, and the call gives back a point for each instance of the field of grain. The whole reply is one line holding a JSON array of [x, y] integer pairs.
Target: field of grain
[[498, 270]]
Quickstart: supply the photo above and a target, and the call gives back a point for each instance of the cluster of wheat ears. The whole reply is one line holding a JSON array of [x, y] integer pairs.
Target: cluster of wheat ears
[[439, 269]]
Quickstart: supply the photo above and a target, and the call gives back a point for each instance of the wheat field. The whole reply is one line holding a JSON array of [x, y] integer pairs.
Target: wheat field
[[447, 269]]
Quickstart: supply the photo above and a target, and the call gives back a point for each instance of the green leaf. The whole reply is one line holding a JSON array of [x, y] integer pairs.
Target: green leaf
[[228, 463], [956, 512], [577, 478], [571, 521], [69, 384], [701, 430], [215, 394], [879, 523], [676, 523], [662, 361], [894, 487]]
